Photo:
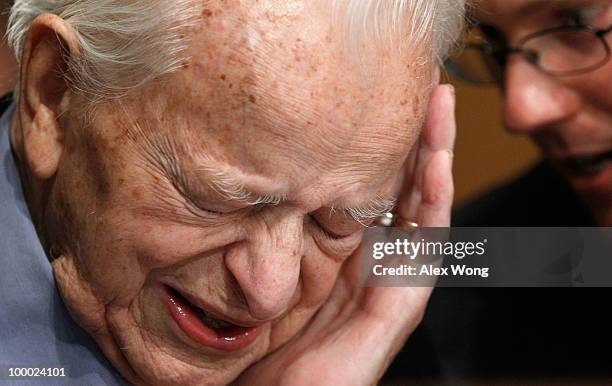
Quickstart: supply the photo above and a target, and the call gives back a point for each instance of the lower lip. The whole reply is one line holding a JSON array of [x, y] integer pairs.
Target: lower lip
[[600, 182], [229, 339]]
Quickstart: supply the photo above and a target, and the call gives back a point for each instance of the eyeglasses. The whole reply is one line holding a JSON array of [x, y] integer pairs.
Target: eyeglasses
[[561, 51]]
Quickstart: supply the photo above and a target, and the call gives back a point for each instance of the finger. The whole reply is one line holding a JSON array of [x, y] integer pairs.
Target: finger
[[437, 187], [438, 134], [438, 191], [440, 129]]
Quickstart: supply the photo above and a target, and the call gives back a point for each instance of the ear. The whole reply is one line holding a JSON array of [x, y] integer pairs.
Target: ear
[[50, 41]]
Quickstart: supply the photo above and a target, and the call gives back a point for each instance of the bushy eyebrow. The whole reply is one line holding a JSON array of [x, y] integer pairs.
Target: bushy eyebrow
[[162, 152], [230, 189], [375, 208]]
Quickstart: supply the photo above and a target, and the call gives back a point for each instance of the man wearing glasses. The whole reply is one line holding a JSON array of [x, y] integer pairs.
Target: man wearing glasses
[[551, 60]]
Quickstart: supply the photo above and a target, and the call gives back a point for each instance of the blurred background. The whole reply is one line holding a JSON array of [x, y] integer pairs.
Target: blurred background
[[485, 154]]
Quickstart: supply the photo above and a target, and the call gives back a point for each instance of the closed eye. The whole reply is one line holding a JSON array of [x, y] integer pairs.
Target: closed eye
[[325, 231], [343, 225]]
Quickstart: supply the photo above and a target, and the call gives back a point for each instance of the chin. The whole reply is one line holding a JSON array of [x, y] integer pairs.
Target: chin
[[150, 347]]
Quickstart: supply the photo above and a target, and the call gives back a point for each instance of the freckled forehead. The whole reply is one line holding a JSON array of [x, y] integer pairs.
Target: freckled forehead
[[270, 89]]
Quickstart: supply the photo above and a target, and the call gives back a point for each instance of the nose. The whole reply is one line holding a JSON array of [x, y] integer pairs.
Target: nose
[[535, 100], [266, 264]]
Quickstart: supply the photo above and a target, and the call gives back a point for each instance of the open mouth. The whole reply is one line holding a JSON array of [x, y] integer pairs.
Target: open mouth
[[588, 165], [206, 329]]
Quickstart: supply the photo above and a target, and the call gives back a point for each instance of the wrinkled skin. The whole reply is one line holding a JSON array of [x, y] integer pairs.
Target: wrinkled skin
[[269, 98], [566, 117]]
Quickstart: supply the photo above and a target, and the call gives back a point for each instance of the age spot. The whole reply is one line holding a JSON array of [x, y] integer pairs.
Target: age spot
[[137, 193]]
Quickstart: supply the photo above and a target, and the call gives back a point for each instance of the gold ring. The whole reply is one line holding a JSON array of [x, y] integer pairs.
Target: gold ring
[[401, 222]]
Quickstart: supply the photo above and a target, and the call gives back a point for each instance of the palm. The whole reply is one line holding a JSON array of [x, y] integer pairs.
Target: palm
[[354, 336]]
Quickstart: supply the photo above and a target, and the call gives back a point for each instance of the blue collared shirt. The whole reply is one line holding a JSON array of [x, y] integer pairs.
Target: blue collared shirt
[[35, 327]]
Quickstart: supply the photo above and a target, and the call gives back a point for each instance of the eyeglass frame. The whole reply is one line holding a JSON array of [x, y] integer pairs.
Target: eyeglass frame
[[501, 56]]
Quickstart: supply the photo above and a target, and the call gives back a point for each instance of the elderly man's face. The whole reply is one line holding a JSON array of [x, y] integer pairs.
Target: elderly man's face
[[203, 221]]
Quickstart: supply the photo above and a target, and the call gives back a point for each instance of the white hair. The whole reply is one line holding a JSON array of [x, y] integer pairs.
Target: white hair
[[436, 23], [124, 44], [127, 43]]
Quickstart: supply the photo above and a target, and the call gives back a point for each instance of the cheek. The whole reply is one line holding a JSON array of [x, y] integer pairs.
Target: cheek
[[320, 269], [88, 224], [597, 87], [109, 262], [318, 274]]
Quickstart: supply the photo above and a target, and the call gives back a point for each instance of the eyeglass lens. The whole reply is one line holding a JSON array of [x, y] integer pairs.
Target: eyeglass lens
[[567, 51], [562, 51]]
